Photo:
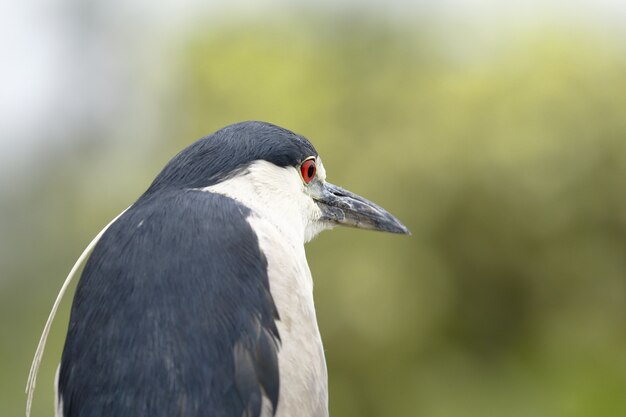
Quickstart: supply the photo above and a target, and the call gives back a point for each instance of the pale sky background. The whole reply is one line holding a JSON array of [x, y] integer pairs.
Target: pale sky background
[[47, 47]]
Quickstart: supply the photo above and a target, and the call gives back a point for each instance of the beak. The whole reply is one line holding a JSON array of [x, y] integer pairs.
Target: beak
[[342, 207]]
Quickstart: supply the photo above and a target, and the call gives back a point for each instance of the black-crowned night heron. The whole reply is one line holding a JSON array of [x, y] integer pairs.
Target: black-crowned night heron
[[198, 300]]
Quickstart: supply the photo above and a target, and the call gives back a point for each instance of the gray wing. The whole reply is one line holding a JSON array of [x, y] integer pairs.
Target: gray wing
[[173, 316]]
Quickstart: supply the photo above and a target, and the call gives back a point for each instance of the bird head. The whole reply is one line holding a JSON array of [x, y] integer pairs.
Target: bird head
[[276, 173]]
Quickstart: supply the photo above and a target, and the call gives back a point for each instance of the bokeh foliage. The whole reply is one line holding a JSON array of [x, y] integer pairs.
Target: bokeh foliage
[[509, 168]]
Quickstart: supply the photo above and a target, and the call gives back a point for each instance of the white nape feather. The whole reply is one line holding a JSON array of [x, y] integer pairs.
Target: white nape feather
[[284, 217], [58, 402], [34, 367]]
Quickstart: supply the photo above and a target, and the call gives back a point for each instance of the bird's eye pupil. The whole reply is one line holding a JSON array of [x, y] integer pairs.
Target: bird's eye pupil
[[308, 170]]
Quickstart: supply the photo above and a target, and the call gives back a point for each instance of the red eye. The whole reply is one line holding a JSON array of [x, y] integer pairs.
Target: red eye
[[308, 170]]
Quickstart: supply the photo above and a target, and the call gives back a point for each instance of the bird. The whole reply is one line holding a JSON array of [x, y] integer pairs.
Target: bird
[[197, 300]]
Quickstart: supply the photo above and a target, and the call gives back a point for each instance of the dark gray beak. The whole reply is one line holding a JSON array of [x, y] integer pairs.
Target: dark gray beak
[[342, 207]]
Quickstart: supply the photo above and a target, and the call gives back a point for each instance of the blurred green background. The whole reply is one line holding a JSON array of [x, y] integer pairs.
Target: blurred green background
[[498, 137]]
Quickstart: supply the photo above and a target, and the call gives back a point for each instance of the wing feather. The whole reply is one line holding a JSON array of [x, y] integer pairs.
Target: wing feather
[[173, 315]]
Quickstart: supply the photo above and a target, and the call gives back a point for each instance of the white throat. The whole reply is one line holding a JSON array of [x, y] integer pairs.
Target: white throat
[[277, 195]]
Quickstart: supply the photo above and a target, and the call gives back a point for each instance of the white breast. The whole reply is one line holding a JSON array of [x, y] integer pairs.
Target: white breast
[[302, 366]]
